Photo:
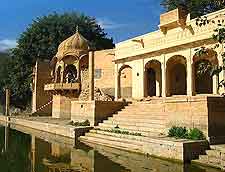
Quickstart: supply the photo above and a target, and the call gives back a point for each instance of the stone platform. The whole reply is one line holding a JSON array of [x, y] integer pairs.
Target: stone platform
[[215, 157], [149, 121], [48, 125]]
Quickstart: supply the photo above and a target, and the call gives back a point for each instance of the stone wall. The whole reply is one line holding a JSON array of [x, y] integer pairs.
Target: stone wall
[[206, 113], [94, 111], [216, 118], [41, 76], [104, 71], [187, 111], [61, 107]]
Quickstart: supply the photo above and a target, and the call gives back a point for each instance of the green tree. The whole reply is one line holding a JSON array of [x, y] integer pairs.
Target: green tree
[[41, 41], [219, 38], [43, 36], [194, 7], [4, 60]]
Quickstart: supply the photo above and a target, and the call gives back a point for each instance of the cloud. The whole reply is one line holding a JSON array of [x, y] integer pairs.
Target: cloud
[[6, 44], [106, 23]]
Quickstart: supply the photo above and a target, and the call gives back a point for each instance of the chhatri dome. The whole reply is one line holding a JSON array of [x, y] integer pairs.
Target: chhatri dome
[[76, 45]]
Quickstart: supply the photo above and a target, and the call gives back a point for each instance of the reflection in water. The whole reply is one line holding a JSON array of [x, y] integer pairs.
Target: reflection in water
[[28, 153]]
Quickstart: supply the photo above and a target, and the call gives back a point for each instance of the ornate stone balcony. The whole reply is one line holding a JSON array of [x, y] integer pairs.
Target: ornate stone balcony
[[62, 87]]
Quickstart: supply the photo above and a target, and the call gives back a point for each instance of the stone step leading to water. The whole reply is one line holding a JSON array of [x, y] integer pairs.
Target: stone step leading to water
[[136, 120], [131, 136], [138, 123], [214, 157], [140, 117], [135, 123], [142, 133], [134, 128], [122, 144]]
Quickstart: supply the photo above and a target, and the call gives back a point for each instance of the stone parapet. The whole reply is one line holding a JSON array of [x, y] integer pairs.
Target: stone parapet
[[62, 86], [94, 111], [61, 107]]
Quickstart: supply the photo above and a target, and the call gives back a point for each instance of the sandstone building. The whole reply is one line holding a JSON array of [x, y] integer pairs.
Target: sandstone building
[[155, 71]]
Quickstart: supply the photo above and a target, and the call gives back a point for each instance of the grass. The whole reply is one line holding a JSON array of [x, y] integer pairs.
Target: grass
[[119, 131], [80, 124]]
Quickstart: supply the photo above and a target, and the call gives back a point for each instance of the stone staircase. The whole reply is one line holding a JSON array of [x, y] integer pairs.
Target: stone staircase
[[143, 121], [214, 157]]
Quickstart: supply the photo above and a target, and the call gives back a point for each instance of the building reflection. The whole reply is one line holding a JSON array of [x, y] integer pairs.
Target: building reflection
[[38, 155]]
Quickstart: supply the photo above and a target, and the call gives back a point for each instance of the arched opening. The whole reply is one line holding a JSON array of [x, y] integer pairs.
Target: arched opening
[[151, 82], [58, 74], [70, 74], [203, 80], [176, 76], [153, 78], [125, 82]]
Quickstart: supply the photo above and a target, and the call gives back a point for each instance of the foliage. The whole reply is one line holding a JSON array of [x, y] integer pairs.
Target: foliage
[[219, 37], [196, 134], [183, 133], [4, 60], [41, 41], [79, 124], [44, 35], [194, 7], [118, 131], [203, 67], [178, 132]]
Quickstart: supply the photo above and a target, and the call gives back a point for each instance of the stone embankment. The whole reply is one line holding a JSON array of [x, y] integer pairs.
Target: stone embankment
[[142, 128], [215, 157], [49, 125]]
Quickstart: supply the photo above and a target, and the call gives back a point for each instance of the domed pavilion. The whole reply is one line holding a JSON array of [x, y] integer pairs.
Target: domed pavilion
[[67, 66]]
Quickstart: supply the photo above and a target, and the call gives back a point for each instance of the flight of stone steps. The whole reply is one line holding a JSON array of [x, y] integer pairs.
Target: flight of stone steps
[[214, 157], [141, 119], [137, 162]]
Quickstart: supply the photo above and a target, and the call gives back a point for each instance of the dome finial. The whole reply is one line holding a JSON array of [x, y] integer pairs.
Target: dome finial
[[77, 29]]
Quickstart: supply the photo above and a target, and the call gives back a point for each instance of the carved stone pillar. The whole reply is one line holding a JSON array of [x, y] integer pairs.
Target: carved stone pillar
[[190, 76], [7, 101], [215, 84], [116, 82], [163, 68], [91, 75]]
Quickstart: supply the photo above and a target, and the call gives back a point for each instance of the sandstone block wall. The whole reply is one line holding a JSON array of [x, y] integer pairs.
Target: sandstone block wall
[[61, 107], [94, 111], [105, 71], [41, 76], [216, 118], [202, 112], [190, 112]]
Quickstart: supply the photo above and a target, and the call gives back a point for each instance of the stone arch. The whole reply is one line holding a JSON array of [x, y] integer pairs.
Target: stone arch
[[70, 74], [125, 82], [205, 83], [176, 75], [70, 59], [153, 80], [58, 74]]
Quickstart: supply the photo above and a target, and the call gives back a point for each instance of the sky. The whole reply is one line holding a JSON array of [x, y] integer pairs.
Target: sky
[[121, 19]]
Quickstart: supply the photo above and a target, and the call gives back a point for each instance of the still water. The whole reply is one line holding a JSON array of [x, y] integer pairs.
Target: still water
[[38, 152]]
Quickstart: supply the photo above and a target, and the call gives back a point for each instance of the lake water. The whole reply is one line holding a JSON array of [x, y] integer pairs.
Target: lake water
[[32, 153]]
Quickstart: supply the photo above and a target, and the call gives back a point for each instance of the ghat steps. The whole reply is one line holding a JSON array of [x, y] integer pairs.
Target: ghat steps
[[136, 162], [140, 118], [214, 157]]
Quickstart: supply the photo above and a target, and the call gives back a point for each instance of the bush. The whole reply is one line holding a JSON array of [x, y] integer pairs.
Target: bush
[[178, 132], [80, 124], [183, 133], [196, 134]]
